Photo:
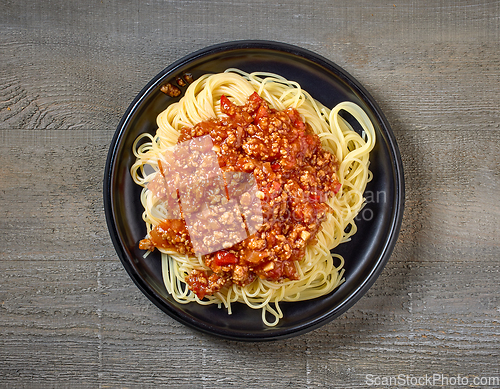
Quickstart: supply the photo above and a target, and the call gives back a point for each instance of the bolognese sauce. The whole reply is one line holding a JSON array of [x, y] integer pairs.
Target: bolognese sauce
[[294, 177]]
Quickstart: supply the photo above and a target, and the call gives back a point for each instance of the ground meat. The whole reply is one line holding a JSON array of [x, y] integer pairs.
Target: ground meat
[[204, 284], [292, 178], [170, 90]]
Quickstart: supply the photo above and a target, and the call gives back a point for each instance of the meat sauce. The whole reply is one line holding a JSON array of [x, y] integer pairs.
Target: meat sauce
[[295, 176]]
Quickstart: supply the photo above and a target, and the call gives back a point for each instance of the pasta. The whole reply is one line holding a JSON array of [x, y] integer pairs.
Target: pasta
[[320, 271]]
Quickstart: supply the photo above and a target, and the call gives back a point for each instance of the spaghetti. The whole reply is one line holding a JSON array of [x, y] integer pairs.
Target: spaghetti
[[307, 269]]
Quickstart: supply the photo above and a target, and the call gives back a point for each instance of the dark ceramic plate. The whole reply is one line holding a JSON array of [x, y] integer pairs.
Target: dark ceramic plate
[[365, 255]]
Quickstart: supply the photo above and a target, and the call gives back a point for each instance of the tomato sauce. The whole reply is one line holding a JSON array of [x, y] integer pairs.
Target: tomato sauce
[[295, 177]]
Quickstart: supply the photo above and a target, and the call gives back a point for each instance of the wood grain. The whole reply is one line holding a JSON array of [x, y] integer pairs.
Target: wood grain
[[69, 314]]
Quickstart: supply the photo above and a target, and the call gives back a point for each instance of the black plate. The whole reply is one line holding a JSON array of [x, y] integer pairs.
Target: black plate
[[365, 255]]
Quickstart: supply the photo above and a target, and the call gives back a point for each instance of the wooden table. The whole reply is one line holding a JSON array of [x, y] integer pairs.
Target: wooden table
[[70, 316]]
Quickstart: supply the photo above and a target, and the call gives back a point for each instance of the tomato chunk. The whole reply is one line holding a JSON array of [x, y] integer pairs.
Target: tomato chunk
[[226, 105], [261, 113], [255, 98], [223, 258]]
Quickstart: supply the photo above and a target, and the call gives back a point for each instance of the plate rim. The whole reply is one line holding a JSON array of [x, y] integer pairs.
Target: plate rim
[[398, 177]]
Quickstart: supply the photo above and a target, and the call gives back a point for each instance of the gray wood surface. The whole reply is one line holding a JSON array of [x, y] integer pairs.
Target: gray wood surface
[[69, 314]]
